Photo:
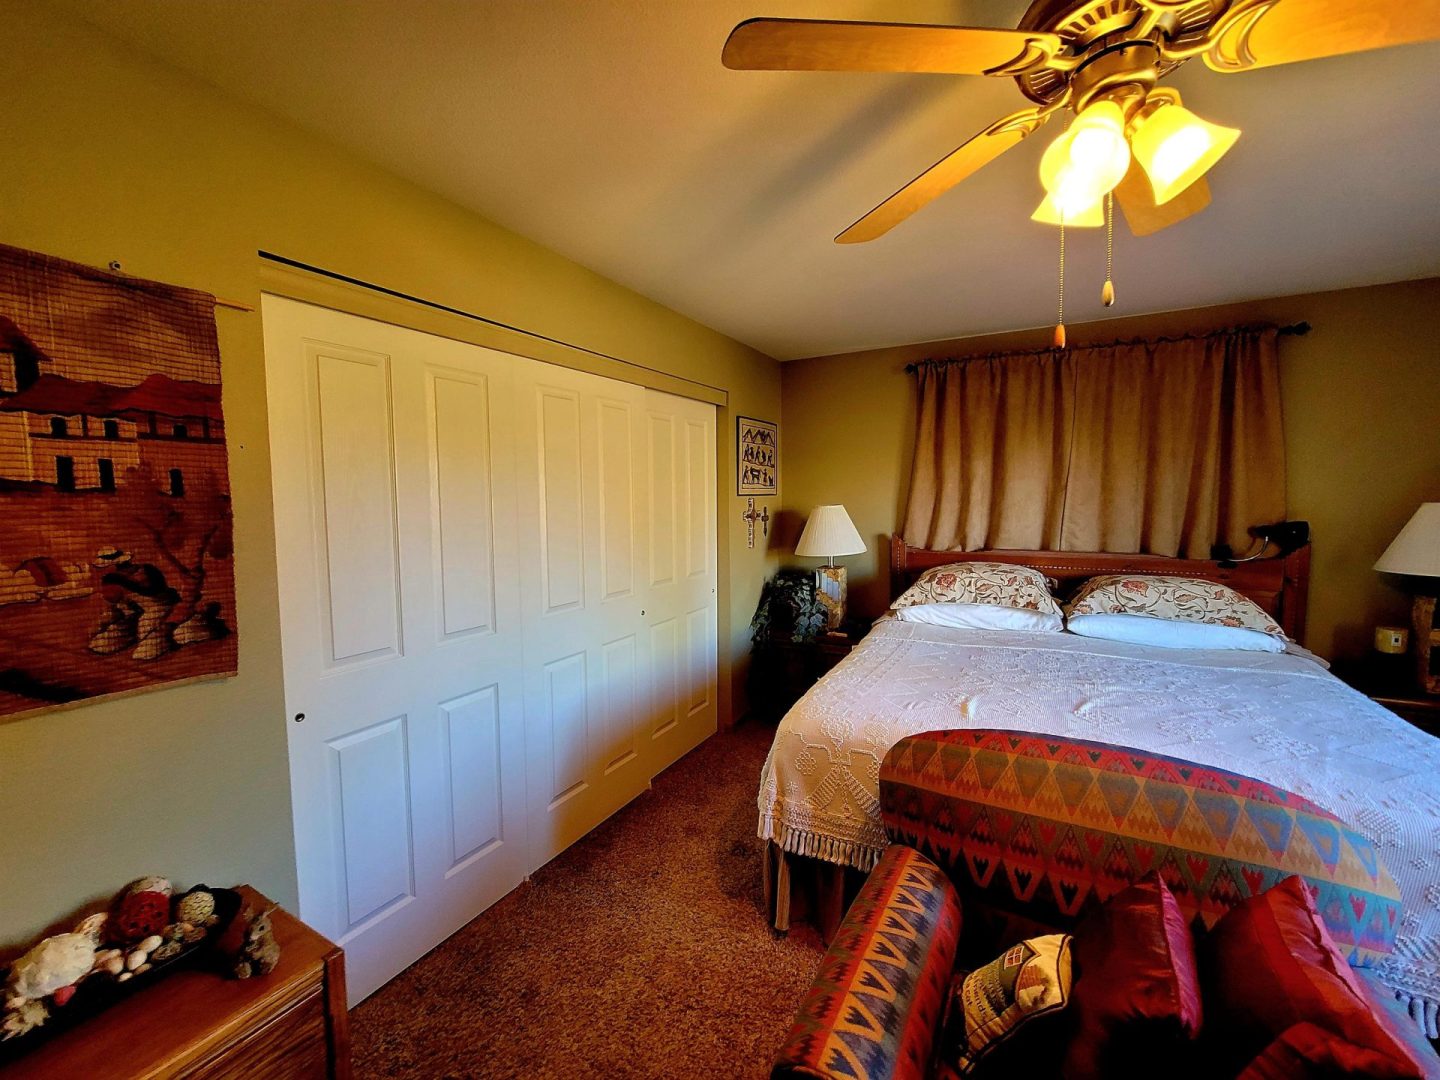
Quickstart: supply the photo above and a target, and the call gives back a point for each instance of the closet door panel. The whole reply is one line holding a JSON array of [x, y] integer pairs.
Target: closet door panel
[[618, 511], [562, 512], [564, 718], [697, 503], [699, 660], [664, 680], [475, 777], [661, 427], [372, 779], [356, 470], [582, 514], [394, 491], [681, 607], [622, 701], [464, 526]]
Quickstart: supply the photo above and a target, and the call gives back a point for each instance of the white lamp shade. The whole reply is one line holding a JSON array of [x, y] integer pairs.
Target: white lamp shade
[[1416, 550], [828, 533]]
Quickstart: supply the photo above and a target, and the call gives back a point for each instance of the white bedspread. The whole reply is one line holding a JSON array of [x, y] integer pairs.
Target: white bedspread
[[1281, 718]]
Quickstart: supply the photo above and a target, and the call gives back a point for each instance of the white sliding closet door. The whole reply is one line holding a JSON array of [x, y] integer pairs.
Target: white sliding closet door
[[396, 549], [680, 572], [497, 603], [582, 528]]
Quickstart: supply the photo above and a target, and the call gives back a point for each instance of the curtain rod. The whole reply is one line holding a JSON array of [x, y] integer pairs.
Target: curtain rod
[[1293, 330]]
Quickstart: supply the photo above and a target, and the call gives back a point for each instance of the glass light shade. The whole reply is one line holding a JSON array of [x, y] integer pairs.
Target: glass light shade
[[1175, 148], [1052, 211], [1098, 146], [829, 532], [1057, 157], [1416, 551], [1084, 163]]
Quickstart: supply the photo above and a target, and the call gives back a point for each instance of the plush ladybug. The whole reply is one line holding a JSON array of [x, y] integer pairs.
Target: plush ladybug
[[143, 910]]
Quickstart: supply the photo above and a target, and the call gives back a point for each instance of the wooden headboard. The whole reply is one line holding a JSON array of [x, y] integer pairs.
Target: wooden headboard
[[1279, 585]]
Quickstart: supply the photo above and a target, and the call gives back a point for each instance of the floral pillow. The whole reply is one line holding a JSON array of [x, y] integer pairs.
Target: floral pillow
[[1000, 584], [1178, 599]]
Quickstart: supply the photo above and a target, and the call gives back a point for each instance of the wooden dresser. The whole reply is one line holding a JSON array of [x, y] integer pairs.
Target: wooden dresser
[[286, 1025]]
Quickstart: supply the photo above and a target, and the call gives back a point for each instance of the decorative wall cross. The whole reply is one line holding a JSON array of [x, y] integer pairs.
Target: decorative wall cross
[[751, 516]]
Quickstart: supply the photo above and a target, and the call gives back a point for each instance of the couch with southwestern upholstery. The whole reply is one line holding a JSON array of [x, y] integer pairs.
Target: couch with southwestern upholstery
[[1205, 923]]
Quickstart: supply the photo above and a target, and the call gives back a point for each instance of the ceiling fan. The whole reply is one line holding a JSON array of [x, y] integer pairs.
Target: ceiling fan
[[1102, 60]]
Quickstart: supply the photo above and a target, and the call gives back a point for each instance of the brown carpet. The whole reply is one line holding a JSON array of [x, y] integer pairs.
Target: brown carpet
[[642, 951]]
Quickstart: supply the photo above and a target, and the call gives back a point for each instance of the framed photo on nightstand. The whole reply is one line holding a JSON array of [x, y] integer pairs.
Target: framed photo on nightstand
[[757, 456]]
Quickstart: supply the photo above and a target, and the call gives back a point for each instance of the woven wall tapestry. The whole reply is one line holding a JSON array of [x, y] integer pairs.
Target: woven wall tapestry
[[115, 530]]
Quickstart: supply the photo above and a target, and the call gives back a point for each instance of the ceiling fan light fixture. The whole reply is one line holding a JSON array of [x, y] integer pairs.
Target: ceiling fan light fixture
[[1175, 148], [1084, 163]]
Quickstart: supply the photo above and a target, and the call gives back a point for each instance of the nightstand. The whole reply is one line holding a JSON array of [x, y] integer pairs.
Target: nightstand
[[1393, 686], [781, 672]]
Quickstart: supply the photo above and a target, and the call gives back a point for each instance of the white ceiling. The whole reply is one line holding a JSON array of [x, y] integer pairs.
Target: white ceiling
[[609, 131]]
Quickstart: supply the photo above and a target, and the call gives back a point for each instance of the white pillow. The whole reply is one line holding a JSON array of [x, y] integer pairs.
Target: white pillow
[[1172, 633], [981, 617]]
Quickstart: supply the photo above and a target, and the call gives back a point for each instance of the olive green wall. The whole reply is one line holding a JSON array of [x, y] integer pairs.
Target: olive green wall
[[1362, 434], [112, 156]]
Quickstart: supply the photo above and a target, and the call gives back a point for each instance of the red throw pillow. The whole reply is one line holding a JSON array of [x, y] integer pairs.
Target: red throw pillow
[[1137, 989], [1280, 1000]]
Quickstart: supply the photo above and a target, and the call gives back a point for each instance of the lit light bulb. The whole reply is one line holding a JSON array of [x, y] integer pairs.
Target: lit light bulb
[[1175, 148], [1082, 165], [1097, 144]]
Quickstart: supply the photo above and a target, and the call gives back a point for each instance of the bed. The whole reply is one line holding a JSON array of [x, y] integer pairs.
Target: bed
[[1281, 717]]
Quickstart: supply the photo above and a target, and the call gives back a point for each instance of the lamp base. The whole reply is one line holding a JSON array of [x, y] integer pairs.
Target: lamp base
[[1423, 622], [830, 590]]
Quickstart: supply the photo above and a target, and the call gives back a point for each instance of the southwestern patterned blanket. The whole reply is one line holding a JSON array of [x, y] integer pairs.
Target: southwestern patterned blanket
[[1278, 717]]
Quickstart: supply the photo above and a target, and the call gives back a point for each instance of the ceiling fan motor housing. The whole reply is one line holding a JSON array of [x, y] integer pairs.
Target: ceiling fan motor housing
[[1109, 40], [1124, 73]]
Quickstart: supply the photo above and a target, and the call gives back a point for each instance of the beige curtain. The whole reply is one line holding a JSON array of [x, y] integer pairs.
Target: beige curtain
[[1164, 447]]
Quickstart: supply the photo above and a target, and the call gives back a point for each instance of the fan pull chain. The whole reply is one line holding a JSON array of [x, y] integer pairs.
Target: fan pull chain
[[1107, 294], [1060, 304]]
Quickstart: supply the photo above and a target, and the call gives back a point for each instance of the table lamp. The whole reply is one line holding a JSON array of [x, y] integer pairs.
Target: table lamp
[[830, 532], [1416, 553]]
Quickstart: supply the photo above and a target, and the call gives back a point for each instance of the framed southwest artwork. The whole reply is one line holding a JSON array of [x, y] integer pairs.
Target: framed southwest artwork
[[757, 453], [115, 555]]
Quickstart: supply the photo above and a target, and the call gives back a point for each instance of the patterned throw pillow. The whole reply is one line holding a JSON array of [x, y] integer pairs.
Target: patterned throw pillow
[[1179, 599], [996, 583], [875, 1005], [1049, 827], [992, 1004]]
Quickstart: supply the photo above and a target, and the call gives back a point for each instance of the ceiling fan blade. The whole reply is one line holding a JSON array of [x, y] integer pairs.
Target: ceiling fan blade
[[824, 45], [1271, 32], [943, 175], [1137, 200]]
